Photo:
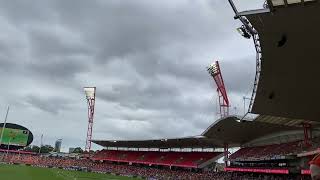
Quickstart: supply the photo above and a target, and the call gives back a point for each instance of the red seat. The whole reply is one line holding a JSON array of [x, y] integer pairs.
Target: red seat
[[182, 159]]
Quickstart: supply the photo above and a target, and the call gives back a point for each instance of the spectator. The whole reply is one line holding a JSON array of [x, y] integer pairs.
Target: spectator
[[315, 167]]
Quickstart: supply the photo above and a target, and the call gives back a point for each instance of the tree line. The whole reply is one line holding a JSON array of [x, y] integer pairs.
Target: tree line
[[47, 149]]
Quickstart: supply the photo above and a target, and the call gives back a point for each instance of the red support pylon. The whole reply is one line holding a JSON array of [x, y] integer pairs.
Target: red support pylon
[[90, 95], [215, 72]]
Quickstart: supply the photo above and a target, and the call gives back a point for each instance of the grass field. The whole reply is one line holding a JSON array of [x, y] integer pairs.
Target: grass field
[[21, 172]]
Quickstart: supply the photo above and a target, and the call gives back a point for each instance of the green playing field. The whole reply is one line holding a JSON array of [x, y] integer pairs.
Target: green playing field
[[21, 172]]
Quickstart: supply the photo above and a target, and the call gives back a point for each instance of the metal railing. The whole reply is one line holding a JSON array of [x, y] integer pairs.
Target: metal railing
[[256, 40]]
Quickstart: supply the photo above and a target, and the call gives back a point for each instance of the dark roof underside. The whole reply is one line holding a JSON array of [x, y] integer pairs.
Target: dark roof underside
[[288, 85], [190, 142], [236, 133], [228, 130]]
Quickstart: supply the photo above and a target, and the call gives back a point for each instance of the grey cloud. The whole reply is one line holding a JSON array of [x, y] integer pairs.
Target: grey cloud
[[25, 12], [239, 77], [63, 69], [121, 29], [48, 43], [147, 58], [50, 104]]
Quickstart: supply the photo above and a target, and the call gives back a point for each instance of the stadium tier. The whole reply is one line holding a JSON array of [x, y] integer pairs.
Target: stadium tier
[[145, 172], [17, 152], [268, 152], [178, 159]]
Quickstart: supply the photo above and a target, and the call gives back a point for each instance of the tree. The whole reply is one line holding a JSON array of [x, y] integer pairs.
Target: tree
[[46, 149], [35, 148], [28, 148], [77, 150]]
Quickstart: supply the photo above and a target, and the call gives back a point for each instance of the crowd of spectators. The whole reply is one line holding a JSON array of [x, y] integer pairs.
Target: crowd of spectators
[[132, 170], [177, 159], [268, 151]]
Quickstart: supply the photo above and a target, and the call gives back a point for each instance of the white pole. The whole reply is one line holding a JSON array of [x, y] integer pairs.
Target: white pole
[[8, 147], [244, 105], [40, 143], [4, 125]]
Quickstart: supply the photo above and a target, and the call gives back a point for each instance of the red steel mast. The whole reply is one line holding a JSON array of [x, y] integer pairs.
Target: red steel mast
[[215, 72], [91, 98]]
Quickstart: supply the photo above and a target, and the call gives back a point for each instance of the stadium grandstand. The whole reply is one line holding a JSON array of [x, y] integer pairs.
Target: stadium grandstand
[[268, 145], [277, 144], [285, 37], [272, 150]]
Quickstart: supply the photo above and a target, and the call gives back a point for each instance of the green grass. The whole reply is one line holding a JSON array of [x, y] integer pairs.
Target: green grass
[[21, 172]]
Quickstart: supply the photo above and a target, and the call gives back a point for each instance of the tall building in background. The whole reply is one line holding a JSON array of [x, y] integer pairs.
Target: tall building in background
[[57, 145], [71, 150]]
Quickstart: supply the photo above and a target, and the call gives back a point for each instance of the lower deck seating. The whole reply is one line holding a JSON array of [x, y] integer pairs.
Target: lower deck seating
[[180, 159]]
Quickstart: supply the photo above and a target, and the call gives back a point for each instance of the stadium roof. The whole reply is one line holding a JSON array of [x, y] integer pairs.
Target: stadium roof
[[286, 121], [230, 130], [289, 39], [237, 132], [187, 142]]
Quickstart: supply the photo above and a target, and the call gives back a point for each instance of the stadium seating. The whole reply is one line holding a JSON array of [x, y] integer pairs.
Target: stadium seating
[[141, 171], [180, 159], [267, 151]]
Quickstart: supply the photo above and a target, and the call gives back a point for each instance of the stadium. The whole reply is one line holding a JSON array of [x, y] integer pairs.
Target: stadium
[[278, 142]]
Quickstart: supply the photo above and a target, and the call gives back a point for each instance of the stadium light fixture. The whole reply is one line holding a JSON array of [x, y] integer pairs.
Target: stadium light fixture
[[90, 93], [243, 32], [213, 69]]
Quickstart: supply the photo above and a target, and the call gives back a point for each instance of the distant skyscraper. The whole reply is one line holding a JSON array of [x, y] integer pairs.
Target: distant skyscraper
[[57, 145], [71, 150]]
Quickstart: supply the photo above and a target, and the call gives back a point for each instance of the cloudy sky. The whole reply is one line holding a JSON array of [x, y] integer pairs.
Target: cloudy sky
[[147, 59]]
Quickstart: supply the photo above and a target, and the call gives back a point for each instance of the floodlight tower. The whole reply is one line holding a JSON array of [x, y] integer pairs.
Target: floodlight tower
[[215, 72], [91, 98]]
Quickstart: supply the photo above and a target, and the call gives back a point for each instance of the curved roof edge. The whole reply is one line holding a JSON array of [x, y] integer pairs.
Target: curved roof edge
[[219, 120]]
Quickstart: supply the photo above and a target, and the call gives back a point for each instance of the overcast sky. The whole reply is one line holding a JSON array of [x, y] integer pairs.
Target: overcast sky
[[147, 59]]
